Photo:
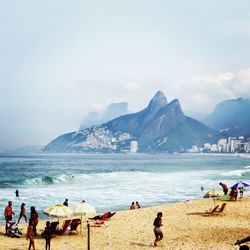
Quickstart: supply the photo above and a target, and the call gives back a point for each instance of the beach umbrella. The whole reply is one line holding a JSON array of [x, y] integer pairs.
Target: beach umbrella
[[84, 209], [58, 211], [213, 193], [240, 184]]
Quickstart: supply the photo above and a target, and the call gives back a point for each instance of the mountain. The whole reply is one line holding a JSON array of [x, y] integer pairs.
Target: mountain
[[231, 117], [25, 150], [112, 111], [161, 126]]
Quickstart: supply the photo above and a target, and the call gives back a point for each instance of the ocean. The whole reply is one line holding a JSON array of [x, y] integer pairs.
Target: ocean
[[110, 182]]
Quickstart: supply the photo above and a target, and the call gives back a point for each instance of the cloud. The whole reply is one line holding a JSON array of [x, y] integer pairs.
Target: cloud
[[206, 91], [218, 80]]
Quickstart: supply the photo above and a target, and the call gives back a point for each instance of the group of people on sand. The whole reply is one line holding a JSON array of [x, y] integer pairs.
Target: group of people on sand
[[233, 193], [33, 221], [135, 205]]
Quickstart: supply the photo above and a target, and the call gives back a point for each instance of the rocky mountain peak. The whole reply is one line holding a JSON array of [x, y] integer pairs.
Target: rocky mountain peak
[[158, 101]]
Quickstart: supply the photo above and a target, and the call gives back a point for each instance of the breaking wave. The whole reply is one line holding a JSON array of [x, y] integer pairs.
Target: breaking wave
[[237, 172]]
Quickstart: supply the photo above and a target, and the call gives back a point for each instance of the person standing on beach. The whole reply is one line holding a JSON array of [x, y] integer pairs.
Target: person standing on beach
[[30, 235], [224, 187], [17, 193], [8, 214], [47, 235], [33, 219], [22, 213], [157, 228]]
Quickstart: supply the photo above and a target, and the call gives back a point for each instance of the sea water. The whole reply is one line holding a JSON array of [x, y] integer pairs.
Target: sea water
[[110, 182]]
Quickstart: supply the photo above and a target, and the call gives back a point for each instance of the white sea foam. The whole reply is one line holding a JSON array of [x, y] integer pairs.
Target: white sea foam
[[149, 179], [237, 172]]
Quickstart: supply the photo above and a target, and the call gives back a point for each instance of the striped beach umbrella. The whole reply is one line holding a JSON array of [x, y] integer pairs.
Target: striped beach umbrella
[[239, 185], [59, 211]]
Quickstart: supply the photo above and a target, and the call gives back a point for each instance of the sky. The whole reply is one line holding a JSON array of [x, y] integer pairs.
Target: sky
[[60, 60]]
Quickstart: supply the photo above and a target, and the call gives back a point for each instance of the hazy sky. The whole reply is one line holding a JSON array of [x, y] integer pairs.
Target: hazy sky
[[61, 59]]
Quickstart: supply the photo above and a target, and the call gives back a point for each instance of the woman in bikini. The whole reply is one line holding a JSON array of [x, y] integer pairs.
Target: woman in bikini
[[30, 236], [34, 219]]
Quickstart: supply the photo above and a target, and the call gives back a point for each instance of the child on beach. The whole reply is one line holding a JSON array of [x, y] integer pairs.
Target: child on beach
[[22, 213], [29, 236], [241, 189], [47, 235], [157, 228]]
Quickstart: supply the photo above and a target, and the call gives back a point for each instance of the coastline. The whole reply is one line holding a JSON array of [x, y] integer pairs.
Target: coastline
[[243, 155], [183, 228]]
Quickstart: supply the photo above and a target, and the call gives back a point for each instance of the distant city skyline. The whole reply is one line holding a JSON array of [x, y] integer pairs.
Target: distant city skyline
[[63, 59]]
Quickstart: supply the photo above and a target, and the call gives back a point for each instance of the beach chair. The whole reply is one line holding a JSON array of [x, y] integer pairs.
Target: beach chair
[[217, 211], [74, 224], [110, 215], [66, 224], [12, 229], [102, 221], [53, 227], [211, 211]]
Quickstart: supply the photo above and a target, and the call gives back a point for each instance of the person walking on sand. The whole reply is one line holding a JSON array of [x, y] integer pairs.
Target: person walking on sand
[[22, 213], [224, 187], [33, 219], [8, 214], [47, 235], [157, 228], [30, 236]]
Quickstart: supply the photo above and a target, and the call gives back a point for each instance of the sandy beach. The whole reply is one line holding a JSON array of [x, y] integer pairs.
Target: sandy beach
[[183, 228]]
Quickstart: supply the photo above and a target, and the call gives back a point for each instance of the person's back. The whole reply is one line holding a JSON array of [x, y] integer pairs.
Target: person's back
[[8, 211]]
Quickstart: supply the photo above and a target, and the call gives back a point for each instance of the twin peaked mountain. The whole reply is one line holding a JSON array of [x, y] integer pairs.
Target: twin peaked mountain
[[161, 126]]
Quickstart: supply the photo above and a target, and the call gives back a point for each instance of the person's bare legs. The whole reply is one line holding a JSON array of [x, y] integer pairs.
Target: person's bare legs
[[158, 238], [32, 244]]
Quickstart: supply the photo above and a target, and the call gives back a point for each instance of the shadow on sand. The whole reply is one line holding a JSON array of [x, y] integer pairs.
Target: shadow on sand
[[141, 244]]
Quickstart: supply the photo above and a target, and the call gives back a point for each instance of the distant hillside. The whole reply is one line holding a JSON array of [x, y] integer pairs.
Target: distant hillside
[[112, 111], [161, 126], [232, 117], [25, 150]]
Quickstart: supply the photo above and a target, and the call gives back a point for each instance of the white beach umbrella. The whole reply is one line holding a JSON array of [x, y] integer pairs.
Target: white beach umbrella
[[84, 209], [58, 211]]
